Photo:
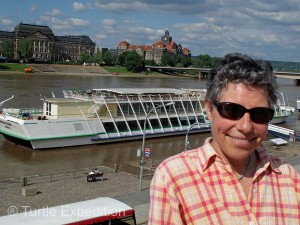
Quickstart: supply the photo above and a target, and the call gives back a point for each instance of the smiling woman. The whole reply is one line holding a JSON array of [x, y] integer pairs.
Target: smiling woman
[[231, 179]]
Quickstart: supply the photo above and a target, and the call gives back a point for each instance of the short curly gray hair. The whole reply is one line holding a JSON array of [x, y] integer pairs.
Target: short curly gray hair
[[238, 68]]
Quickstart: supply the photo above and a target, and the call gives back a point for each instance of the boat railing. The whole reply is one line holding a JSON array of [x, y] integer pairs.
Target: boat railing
[[23, 112], [126, 98]]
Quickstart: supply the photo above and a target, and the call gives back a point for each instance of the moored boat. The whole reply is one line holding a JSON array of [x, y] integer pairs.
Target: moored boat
[[106, 115], [281, 110]]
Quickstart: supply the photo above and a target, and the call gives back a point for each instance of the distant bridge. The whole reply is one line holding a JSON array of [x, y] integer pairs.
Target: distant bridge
[[204, 71]]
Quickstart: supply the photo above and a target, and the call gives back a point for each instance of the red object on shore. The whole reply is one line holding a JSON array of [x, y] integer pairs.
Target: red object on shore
[[28, 70]]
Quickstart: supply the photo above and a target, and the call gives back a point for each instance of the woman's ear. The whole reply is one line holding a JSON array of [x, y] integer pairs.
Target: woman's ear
[[209, 108]]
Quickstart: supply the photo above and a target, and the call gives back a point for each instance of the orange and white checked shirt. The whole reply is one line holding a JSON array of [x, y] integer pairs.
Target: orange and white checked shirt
[[198, 187]]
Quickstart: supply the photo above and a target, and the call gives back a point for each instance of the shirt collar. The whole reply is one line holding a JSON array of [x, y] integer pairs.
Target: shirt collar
[[267, 161], [209, 155]]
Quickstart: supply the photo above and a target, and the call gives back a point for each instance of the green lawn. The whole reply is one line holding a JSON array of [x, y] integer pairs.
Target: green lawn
[[13, 66]]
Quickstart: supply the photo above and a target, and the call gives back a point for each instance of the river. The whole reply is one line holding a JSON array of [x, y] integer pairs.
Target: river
[[16, 161]]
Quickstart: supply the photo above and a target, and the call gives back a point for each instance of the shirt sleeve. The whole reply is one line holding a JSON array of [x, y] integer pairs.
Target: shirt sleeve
[[164, 205]]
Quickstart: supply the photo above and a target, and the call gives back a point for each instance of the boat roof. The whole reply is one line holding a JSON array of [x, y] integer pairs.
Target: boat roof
[[70, 213], [61, 100], [138, 91]]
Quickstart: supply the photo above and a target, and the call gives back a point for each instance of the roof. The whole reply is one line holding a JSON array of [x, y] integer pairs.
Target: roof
[[61, 100], [77, 39], [90, 211], [30, 28], [158, 44], [7, 34], [123, 43], [139, 91]]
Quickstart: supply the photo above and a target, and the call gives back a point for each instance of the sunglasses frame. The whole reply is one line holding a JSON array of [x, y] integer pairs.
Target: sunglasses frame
[[221, 108]]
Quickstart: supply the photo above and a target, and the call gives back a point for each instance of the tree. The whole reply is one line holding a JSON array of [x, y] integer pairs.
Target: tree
[[186, 61], [108, 59], [150, 62], [122, 58], [84, 58], [7, 49], [97, 57], [25, 49], [167, 60], [134, 62], [204, 61]]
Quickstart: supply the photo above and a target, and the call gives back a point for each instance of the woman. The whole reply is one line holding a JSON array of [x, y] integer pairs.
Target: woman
[[231, 179]]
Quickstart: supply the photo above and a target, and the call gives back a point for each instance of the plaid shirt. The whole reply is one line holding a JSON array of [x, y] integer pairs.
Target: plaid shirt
[[198, 187]]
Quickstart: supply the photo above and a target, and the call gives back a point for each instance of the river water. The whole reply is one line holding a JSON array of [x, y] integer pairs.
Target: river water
[[16, 161]]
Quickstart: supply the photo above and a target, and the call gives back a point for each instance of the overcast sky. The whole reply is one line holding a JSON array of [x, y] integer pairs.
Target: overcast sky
[[267, 29]]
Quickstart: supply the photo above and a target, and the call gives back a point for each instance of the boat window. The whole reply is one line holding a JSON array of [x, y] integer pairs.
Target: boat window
[[175, 122], [121, 126], [179, 107], [201, 119], [48, 109], [137, 107], [192, 119], [155, 123], [165, 122], [133, 125], [125, 107], [78, 126], [109, 128], [184, 121]]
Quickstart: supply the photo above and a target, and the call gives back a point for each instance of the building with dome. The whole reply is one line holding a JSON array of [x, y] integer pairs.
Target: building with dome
[[156, 50], [46, 45]]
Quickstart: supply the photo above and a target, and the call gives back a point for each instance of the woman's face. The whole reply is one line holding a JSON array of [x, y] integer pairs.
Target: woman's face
[[236, 139]]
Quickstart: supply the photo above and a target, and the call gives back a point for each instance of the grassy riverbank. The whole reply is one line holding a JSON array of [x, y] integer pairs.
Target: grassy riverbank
[[13, 68]]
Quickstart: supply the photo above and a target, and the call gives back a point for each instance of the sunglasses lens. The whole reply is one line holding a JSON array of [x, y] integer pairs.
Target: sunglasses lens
[[235, 111], [261, 115], [231, 111]]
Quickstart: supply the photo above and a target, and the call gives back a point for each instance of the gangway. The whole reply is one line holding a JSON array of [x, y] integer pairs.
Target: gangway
[[284, 133]]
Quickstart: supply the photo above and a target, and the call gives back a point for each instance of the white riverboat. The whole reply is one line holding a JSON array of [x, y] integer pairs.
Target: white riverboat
[[106, 115], [282, 109]]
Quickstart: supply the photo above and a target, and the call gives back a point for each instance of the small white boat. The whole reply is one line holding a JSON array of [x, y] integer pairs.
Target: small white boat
[[106, 115], [298, 106], [282, 110]]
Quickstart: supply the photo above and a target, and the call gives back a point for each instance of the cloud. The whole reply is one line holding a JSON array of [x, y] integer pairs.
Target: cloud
[[54, 12], [167, 6], [6, 22], [77, 6], [33, 8], [108, 22], [101, 36], [79, 22]]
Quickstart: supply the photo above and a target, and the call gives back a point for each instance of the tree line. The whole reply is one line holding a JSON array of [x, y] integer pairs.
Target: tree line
[[129, 59]]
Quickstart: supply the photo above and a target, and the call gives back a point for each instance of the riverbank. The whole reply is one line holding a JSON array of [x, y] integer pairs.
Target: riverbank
[[71, 71]]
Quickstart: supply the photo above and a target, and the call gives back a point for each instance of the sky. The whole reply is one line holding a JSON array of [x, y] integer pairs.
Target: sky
[[268, 29]]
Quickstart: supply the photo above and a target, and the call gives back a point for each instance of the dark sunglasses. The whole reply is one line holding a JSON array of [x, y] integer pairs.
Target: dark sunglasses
[[235, 111]]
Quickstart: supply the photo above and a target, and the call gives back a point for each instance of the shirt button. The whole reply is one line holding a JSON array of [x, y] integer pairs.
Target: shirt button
[[251, 223]]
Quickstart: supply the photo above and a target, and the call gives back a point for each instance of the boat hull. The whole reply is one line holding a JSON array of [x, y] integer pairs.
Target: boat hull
[[44, 134], [78, 141]]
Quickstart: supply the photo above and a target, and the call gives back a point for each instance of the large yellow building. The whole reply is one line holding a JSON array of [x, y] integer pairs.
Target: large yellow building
[[47, 46]]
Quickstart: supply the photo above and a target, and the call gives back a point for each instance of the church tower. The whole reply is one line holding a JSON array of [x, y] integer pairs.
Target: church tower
[[166, 39]]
